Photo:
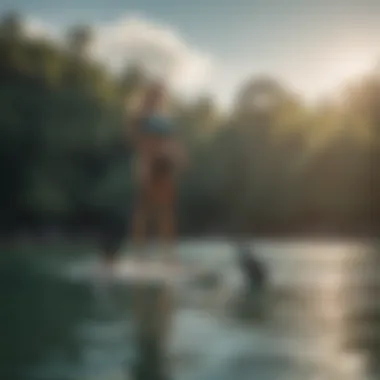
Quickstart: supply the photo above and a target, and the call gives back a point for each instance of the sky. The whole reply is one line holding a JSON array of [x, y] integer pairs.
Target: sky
[[212, 46]]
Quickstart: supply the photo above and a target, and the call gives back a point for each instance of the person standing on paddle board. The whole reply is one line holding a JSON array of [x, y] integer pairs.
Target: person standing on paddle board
[[159, 158]]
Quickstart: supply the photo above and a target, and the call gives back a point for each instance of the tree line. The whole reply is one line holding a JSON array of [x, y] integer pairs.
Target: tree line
[[272, 165]]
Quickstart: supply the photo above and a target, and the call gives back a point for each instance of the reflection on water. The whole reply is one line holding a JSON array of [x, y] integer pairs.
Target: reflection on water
[[319, 320]]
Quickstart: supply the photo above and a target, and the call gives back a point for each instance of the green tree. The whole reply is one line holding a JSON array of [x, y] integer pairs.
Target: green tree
[[79, 38]]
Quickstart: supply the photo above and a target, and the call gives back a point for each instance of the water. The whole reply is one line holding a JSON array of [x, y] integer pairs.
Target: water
[[319, 320]]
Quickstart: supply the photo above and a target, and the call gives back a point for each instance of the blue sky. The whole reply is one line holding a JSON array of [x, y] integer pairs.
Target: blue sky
[[312, 46]]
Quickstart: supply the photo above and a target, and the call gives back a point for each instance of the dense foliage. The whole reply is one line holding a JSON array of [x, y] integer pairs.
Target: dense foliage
[[272, 165]]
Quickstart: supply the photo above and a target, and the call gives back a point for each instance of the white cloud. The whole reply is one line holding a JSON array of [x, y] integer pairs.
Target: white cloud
[[161, 50], [39, 29]]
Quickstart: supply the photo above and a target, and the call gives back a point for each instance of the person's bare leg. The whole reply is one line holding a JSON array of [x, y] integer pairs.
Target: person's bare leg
[[166, 226], [140, 217]]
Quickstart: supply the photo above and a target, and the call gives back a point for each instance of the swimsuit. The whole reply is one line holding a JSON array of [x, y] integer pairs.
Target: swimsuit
[[156, 160], [157, 126]]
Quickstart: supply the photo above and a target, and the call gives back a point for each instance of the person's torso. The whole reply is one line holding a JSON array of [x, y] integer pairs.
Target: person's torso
[[156, 136], [156, 125]]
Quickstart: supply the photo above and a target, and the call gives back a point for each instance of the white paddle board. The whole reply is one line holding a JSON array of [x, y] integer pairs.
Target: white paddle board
[[134, 270]]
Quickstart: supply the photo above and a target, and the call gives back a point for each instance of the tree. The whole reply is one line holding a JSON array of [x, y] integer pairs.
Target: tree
[[11, 26], [79, 38]]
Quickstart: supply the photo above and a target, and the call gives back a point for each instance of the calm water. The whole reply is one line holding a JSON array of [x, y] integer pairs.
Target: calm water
[[320, 319]]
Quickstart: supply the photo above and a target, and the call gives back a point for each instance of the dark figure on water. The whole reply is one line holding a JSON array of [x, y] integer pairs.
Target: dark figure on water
[[252, 269]]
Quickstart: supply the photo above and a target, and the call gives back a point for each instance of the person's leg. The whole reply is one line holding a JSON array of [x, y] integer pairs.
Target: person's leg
[[140, 215], [167, 232], [166, 220], [139, 222]]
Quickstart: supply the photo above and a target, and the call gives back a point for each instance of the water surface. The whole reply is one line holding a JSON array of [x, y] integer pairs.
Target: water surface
[[319, 320]]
